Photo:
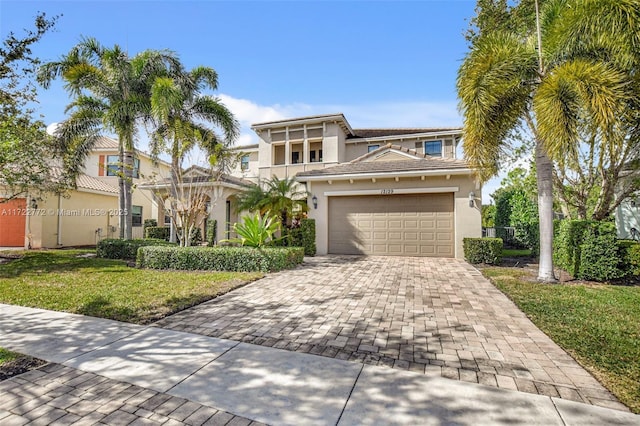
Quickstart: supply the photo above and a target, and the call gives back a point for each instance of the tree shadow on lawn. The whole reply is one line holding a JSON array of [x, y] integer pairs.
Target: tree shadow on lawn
[[44, 262]]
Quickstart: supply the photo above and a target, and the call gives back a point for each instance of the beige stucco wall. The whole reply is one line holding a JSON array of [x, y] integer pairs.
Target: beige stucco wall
[[76, 217], [467, 219], [357, 148]]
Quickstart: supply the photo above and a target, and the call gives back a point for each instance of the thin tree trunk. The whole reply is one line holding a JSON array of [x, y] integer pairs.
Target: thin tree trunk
[[545, 210], [173, 231]]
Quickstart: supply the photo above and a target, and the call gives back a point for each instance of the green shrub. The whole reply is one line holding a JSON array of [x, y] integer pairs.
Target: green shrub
[[483, 250], [237, 259], [255, 231], [305, 236], [157, 232], [212, 230], [629, 257], [148, 223], [112, 248], [599, 254], [567, 244]]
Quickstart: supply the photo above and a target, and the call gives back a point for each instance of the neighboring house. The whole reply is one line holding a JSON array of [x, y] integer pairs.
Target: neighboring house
[[627, 218], [85, 215], [372, 191]]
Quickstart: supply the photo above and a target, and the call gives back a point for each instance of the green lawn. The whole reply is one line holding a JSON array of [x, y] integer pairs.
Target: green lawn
[[6, 356], [62, 281], [599, 325], [516, 252]]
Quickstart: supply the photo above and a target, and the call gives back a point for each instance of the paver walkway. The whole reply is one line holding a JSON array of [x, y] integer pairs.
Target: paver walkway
[[433, 316], [59, 395], [118, 374]]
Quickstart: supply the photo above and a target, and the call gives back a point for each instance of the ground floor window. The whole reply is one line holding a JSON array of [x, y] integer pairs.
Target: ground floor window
[[136, 215]]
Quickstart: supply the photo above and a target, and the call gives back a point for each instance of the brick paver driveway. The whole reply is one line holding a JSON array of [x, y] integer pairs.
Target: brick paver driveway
[[433, 316]]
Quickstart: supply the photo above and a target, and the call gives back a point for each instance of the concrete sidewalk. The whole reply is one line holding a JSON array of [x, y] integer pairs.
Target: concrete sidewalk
[[256, 383]]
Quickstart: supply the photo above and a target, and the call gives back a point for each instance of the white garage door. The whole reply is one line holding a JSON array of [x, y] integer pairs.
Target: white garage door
[[392, 225]]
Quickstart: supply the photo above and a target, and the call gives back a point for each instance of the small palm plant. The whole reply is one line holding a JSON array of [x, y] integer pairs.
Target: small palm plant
[[255, 231]]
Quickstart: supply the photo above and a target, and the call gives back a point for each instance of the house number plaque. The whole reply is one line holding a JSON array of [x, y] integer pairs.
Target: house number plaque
[[386, 191]]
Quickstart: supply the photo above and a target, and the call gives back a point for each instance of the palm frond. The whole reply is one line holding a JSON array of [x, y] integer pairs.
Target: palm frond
[[494, 86]]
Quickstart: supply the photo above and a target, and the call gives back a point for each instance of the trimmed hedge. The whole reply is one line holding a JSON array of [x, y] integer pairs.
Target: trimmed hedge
[[113, 248], [164, 233], [157, 232], [305, 236], [568, 239], [599, 253], [212, 227], [236, 259], [629, 256], [589, 250], [483, 250]]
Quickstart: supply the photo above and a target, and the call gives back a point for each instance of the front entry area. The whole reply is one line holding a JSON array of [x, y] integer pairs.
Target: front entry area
[[392, 225]]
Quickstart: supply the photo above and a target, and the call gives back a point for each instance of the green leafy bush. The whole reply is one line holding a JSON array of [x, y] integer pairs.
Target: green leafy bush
[[148, 223], [112, 248], [157, 232], [212, 230], [629, 257], [483, 250], [255, 231], [567, 244], [237, 259], [599, 253], [305, 236]]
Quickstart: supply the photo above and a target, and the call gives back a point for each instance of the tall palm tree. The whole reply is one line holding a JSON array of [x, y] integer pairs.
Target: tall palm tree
[[182, 115], [549, 80], [111, 94]]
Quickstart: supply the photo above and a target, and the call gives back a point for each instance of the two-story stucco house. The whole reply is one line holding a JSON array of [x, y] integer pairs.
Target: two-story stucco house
[[372, 191], [87, 214]]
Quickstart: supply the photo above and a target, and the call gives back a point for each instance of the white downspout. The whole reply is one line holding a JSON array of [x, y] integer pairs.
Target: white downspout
[[59, 230]]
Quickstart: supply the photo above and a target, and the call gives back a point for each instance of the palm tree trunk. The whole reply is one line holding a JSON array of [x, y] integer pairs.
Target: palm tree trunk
[[545, 210], [121, 191], [128, 175]]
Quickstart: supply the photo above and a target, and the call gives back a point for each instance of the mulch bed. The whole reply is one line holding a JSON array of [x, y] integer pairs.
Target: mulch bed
[[19, 365], [530, 265]]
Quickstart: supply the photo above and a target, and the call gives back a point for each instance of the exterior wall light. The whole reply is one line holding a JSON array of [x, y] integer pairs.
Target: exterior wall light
[[472, 198], [314, 200]]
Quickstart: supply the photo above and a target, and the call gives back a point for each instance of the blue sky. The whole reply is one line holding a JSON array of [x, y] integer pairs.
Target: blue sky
[[381, 63]]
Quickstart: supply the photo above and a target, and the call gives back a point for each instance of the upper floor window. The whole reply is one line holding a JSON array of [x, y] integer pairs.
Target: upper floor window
[[372, 148], [113, 166], [295, 157], [315, 156], [136, 168], [433, 148], [244, 162]]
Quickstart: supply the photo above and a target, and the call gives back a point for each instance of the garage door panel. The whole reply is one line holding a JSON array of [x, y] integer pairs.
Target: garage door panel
[[410, 225]]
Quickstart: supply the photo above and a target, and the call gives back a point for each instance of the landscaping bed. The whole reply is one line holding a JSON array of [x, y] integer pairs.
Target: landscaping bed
[[598, 324], [12, 364]]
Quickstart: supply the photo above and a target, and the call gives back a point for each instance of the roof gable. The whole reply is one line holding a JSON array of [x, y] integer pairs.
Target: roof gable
[[390, 152]]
